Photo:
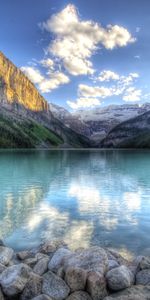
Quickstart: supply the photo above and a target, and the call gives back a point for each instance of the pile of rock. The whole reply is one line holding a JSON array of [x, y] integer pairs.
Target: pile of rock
[[53, 272]]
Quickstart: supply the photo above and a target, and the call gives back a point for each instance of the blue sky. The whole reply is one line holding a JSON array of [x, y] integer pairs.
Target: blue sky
[[80, 54]]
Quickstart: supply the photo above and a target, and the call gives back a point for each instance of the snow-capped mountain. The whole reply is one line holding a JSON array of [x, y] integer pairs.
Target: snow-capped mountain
[[97, 122]]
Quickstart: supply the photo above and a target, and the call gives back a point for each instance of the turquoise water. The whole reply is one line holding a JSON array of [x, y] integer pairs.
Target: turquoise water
[[83, 197]]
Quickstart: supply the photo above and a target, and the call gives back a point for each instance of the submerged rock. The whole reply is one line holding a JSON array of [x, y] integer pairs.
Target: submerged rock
[[54, 286], [14, 279], [119, 278]]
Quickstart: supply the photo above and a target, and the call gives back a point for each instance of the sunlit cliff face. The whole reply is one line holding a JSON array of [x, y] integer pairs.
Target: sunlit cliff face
[[15, 87]]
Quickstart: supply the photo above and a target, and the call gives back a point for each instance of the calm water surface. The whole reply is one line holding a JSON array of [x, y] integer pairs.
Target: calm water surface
[[83, 197]]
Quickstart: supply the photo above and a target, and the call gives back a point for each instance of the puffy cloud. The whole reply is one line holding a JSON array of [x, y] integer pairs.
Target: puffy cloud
[[108, 75], [45, 83], [84, 102], [90, 96], [33, 74], [54, 82], [132, 94], [94, 91], [76, 40], [47, 63]]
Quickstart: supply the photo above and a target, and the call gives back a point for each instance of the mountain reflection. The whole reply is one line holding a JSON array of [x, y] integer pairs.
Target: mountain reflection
[[82, 197]]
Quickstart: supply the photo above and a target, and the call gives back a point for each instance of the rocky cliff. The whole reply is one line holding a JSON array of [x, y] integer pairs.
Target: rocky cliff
[[15, 87], [25, 116]]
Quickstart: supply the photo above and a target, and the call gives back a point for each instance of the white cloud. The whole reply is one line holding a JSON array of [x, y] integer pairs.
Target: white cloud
[[108, 75], [54, 82], [76, 40], [90, 96], [94, 91], [47, 63], [84, 102], [45, 83], [33, 74], [132, 94]]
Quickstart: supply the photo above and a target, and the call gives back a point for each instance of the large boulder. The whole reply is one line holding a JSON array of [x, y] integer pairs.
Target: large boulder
[[54, 286], [119, 278], [132, 293], [33, 287], [57, 260], [76, 278], [80, 295], [6, 255], [14, 279], [112, 264], [41, 266], [143, 277], [96, 285], [92, 259]]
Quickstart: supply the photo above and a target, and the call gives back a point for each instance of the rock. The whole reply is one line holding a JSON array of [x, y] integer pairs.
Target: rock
[[41, 266], [49, 247], [92, 259], [119, 278], [132, 293], [1, 295], [6, 255], [42, 297], [24, 254], [144, 263], [40, 255], [143, 277], [2, 268], [112, 264], [134, 266], [57, 259], [14, 279], [54, 286], [2, 243], [33, 287], [80, 295], [96, 286], [31, 262], [114, 255], [76, 278]]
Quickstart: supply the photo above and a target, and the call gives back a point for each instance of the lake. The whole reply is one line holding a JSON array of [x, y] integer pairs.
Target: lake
[[84, 197]]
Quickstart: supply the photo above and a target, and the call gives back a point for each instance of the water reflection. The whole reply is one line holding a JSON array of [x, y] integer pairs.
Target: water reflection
[[83, 197]]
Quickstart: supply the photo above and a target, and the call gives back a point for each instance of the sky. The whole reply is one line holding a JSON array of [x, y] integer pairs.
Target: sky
[[80, 54]]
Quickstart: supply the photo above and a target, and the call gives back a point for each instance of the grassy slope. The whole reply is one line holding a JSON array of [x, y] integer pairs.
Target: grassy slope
[[25, 134]]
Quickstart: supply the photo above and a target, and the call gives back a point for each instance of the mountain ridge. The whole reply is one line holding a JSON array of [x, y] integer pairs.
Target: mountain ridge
[[20, 101]]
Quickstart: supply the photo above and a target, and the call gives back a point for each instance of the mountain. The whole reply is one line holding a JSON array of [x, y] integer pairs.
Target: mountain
[[26, 120], [97, 123], [134, 133]]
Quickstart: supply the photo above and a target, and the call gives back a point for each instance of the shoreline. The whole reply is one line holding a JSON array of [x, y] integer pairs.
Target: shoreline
[[54, 272]]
